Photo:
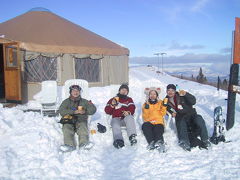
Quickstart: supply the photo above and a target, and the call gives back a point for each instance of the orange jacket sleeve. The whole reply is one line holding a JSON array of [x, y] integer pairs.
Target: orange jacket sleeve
[[163, 109]]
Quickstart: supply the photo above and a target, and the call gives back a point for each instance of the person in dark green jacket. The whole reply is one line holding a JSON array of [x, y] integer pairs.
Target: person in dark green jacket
[[79, 109]]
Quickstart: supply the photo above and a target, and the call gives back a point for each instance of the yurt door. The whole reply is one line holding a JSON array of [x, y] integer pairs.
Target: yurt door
[[12, 72]]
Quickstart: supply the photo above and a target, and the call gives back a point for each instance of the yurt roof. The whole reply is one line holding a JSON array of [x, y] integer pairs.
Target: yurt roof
[[43, 31]]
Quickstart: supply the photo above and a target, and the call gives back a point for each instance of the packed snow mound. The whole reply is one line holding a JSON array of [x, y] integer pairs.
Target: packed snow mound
[[29, 147]]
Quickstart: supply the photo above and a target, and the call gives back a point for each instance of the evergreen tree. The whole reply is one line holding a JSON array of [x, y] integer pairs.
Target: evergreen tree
[[192, 77], [200, 77], [225, 84], [219, 83], [205, 79]]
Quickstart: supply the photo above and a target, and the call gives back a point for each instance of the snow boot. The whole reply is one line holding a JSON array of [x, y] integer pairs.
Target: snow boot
[[133, 139], [160, 146], [67, 148], [206, 144], [185, 146], [86, 146], [151, 146], [119, 143]]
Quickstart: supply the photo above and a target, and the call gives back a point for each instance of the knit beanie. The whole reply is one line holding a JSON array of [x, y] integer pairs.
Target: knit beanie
[[124, 86], [171, 86]]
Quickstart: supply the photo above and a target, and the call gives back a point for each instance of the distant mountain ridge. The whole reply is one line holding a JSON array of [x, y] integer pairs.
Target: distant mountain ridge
[[187, 58]]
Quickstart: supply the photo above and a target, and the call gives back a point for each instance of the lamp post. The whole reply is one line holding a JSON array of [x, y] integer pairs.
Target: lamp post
[[157, 54], [162, 59]]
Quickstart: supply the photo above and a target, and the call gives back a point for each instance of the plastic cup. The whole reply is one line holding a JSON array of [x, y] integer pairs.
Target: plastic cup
[[165, 101], [93, 131], [80, 108]]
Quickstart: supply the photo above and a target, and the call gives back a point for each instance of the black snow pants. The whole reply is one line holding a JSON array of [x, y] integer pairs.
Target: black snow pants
[[153, 132]]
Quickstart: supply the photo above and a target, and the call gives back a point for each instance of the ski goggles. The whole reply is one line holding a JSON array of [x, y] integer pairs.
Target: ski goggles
[[77, 87]]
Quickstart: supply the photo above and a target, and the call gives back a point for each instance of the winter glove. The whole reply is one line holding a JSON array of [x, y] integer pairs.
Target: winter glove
[[146, 106], [101, 128]]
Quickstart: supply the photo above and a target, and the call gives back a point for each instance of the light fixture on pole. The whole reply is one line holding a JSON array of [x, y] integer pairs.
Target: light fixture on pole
[[157, 54], [162, 59]]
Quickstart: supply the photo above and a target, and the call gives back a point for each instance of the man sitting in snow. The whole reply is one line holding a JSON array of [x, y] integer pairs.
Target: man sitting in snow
[[77, 109], [189, 124], [122, 109]]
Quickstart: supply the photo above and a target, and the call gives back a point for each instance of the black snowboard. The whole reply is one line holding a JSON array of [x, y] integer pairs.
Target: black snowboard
[[234, 80], [218, 132]]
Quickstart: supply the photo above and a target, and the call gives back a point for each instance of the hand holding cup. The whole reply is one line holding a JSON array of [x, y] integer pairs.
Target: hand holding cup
[[80, 110], [165, 101], [115, 101], [126, 113], [182, 92]]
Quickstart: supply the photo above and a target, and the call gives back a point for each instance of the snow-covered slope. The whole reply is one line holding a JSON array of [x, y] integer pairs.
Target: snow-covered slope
[[29, 142]]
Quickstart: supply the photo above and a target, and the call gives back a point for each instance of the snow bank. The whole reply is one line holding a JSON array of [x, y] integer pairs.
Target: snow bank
[[29, 142]]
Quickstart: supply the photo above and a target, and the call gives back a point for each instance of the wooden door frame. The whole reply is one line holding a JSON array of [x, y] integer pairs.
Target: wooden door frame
[[2, 59], [18, 68]]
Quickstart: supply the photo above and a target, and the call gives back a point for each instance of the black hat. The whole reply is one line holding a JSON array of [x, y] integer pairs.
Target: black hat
[[124, 86], [171, 86], [77, 87]]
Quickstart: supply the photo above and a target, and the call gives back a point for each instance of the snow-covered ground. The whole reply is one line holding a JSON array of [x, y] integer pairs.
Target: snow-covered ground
[[29, 142]]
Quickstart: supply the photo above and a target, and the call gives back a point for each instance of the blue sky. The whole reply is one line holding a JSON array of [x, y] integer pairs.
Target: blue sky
[[177, 27]]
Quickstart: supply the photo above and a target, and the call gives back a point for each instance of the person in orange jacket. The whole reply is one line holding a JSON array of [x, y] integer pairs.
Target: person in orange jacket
[[153, 127]]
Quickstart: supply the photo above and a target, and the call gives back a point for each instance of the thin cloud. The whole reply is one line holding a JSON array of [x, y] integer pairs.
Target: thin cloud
[[173, 14], [177, 46], [199, 5], [157, 45], [172, 10], [226, 50], [178, 11]]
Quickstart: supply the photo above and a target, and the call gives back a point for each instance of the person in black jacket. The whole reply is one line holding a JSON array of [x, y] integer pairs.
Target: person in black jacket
[[189, 124]]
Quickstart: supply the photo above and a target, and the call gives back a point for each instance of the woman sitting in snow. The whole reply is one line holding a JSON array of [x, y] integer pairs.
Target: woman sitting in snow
[[153, 116]]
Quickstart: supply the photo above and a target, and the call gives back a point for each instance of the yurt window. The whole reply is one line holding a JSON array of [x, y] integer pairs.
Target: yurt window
[[11, 55], [88, 69], [40, 69]]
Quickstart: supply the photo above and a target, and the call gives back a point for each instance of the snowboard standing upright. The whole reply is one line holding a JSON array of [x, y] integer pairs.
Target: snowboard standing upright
[[219, 121]]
